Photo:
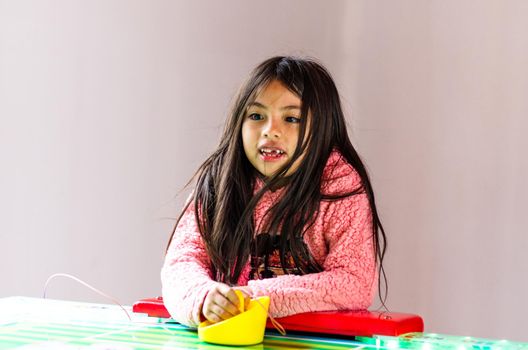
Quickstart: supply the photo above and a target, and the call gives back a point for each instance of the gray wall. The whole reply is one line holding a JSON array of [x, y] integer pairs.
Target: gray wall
[[107, 108]]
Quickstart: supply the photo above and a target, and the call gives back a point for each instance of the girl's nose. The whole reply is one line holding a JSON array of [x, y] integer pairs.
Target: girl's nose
[[272, 129]]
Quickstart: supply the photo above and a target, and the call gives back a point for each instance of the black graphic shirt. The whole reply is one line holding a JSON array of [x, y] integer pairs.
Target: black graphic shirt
[[265, 259]]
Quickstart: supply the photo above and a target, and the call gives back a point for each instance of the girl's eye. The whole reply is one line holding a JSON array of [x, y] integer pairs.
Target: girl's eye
[[255, 116], [293, 120]]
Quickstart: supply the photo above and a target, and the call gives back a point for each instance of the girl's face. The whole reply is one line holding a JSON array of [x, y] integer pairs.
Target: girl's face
[[270, 129]]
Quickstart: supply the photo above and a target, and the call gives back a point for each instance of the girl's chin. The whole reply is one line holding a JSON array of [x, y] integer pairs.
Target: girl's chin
[[269, 169]]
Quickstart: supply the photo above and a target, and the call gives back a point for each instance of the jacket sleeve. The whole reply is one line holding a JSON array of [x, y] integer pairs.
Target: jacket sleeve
[[349, 278], [186, 274]]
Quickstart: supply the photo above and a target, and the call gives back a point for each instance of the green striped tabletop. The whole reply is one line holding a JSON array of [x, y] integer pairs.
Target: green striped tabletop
[[32, 323]]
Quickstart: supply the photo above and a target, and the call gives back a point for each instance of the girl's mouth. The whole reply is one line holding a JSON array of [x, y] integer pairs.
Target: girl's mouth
[[271, 154]]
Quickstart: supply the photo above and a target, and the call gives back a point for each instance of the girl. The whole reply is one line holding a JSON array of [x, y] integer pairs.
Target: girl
[[284, 207]]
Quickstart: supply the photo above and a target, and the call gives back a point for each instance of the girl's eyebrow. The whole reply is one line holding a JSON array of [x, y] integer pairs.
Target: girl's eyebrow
[[258, 104]]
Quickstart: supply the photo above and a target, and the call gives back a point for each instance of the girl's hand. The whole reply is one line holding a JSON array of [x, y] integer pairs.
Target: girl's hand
[[220, 303]]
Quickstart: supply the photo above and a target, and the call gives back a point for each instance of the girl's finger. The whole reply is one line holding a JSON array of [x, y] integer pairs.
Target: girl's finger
[[209, 306], [211, 316], [228, 309], [231, 299]]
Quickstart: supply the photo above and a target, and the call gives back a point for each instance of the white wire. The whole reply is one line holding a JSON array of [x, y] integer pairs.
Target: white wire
[[114, 300]]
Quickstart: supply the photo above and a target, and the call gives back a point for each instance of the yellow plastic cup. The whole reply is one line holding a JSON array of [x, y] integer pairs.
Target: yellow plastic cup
[[246, 328]]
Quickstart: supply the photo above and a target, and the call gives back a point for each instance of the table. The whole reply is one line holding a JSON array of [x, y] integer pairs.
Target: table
[[33, 323]]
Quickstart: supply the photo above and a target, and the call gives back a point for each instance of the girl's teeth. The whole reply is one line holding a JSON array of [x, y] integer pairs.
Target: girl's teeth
[[272, 151]]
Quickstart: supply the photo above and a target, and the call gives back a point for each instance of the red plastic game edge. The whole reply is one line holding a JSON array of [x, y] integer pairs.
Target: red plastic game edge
[[350, 323]]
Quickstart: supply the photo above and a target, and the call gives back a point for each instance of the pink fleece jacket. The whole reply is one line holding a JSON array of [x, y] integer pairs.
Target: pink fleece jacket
[[340, 241]]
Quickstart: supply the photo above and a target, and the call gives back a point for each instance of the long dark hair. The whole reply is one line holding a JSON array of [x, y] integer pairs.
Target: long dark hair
[[224, 198]]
